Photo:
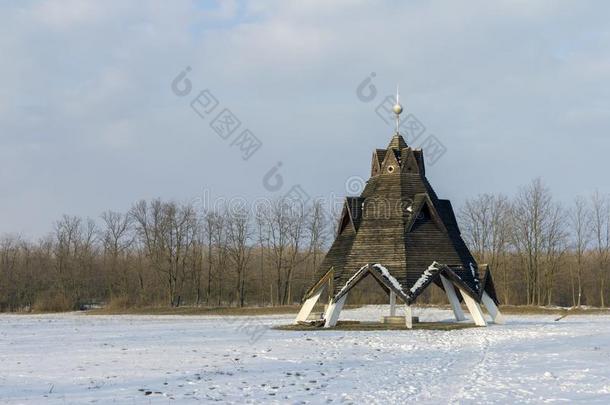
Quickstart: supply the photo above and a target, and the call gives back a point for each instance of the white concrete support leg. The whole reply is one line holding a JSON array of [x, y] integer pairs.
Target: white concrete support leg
[[492, 308], [453, 299], [408, 316], [475, 310], [392, 303], [308, 307], [333, 311]]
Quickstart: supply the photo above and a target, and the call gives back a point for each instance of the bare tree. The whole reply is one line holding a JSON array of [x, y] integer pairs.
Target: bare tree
[[317, 227], [180, 242], [529, 218], [475, 217], [601, 233], [485, 222], [278, 221], [555, 245], [67, 234], [239, 234], [9, 280], [167, 231], [74, 253], [117, 239], [296, 254], [209, 221], [149, 226], [262, 239], [198, 257], [219, 239], [580, 218]]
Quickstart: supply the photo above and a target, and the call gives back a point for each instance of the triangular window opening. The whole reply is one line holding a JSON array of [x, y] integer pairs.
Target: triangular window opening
[[423, 217]]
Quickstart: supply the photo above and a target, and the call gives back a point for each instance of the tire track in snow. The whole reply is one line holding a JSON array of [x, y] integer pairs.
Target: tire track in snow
[[471, 380]]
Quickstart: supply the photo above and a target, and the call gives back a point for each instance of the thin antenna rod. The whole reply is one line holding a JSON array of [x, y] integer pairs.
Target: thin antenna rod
[[397, 110], [397, 115]]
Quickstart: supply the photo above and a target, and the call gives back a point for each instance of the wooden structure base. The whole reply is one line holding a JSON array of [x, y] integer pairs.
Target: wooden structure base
[[442, 274]]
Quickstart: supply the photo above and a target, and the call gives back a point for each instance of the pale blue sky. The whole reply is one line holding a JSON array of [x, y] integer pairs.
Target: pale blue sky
[[88, 122]]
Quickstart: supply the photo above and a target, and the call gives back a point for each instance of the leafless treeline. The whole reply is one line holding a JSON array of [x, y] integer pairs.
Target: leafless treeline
[[166, 253], [540, 252]]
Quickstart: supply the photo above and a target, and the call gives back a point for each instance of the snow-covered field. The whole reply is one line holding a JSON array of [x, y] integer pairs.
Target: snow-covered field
[[78, 358]]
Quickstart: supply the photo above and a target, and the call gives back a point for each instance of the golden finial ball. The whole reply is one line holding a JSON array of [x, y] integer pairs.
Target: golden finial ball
[[397, 108]]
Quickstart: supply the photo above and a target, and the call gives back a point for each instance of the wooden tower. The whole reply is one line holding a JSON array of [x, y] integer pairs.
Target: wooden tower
[[402, 234]]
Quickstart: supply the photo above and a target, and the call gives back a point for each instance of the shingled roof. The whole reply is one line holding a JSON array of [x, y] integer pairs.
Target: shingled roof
[[399, 222]]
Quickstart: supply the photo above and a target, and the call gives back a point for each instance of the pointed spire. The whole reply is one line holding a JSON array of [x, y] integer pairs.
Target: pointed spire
[[397, 142]]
